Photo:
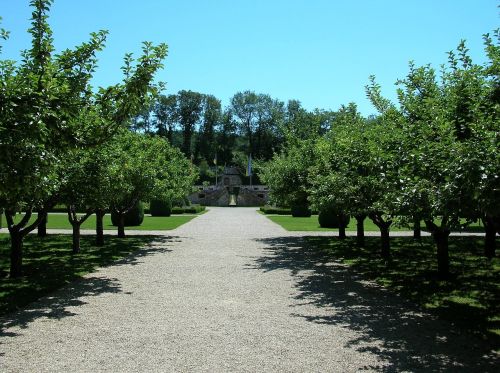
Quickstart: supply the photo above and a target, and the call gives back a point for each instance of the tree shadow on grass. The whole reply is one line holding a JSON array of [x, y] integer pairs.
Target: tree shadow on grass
[[52, 272], [387, 325]]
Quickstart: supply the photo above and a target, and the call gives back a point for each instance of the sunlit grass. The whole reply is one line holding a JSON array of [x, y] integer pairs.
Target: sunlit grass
[[311, 224], [60, 221]]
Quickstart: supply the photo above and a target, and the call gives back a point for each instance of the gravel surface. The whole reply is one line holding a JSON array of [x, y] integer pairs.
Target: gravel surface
[[230, 291]]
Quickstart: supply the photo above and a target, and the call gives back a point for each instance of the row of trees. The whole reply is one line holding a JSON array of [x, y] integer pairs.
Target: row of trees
[[252, 124], [61, 141], [433, 157]]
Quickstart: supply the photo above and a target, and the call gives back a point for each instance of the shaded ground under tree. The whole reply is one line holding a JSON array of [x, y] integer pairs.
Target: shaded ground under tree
[[411, 338]]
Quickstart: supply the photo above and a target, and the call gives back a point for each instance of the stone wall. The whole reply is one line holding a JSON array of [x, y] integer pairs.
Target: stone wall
[[219, 195]]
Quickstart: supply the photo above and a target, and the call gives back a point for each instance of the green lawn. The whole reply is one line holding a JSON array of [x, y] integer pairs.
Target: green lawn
[[48, 264], [311, 224], [469, 299], [60, 221]]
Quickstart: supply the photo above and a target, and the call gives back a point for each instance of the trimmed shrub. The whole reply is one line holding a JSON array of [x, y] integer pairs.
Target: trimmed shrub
[[134, 217], [193, 209], [301, 211], [275, 210], [159, 207], [329, 217], [177, 210]]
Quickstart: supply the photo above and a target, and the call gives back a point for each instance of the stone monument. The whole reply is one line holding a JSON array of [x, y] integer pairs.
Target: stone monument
[[230, 191]]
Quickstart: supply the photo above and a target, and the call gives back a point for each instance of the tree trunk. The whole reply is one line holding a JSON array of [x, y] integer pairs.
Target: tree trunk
[[384, 227], [170, 134], [490, 237], [16, 254], [121, 224], [417, 231], [99, 230], [342, 232], [343, 221], [386, 244], [42, 227], [360, 230], [440, 235], [76, 237], [441, 239]]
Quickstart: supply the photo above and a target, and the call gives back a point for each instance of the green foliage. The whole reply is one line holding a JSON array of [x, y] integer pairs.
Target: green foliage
[[133, 217], [190, 108], [50, 115], [159, 207], [354, 169], [206, 148], [146, 168], [258, 119], [449, 160], [330, 217], [272, 210], [300, 210], [192, 209], [287, 174]]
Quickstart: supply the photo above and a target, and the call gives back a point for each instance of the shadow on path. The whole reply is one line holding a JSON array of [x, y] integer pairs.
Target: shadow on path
[[56, 304], [385, 324]]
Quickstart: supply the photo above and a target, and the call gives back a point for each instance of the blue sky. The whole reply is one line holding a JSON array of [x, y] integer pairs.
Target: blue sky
[[317, 51]]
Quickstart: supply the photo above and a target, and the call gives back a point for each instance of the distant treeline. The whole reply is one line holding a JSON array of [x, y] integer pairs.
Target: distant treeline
[[255, 124]]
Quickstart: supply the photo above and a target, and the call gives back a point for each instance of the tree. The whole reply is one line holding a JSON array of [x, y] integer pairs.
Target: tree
[[145, 168], [355, 171], [300, 124], [287, 174], [488, 190], [226, 139], [244, 109], [340, 177], [190, 106], [258, 118], [76, 192], [448, 150], [206, 145], [44, 99], [40, 98], [166, 113], [268, 139]]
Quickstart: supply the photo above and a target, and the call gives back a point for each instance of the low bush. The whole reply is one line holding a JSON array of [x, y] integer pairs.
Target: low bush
[[329, 217], [275, 210], [193, 209], [160, 207], [301, 211], [134, 217]]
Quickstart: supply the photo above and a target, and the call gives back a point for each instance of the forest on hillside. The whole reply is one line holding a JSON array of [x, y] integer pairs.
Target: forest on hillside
[[215, 136]]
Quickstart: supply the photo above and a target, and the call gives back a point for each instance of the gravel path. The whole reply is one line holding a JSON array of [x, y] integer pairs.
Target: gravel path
[[230, 291]]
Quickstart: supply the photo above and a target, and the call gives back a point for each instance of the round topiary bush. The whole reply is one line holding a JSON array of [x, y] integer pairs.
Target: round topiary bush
[[329, 217], [159, 207], [300, 211], [134, 217]]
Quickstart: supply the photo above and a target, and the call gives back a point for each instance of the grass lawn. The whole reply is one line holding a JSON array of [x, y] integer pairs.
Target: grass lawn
[[60, 221], [469, 299], [311, 224], [48, 264]]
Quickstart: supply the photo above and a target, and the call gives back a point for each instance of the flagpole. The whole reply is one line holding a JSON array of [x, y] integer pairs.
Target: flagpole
[[249, 168]]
